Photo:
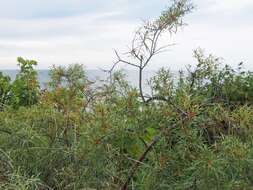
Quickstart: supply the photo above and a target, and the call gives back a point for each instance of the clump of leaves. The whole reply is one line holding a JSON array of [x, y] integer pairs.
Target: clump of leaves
[[67, 88], [5, 90], [25, 88]]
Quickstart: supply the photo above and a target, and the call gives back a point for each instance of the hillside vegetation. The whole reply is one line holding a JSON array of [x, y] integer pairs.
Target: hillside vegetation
[[194, 131]]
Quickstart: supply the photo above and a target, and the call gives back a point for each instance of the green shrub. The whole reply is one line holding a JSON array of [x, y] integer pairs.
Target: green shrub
[[25, 88], [5, 90]]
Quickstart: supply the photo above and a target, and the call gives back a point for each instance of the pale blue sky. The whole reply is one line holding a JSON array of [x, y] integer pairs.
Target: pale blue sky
[[62, 32]]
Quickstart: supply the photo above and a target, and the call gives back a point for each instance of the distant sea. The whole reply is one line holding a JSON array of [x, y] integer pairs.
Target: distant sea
[[131, 76]]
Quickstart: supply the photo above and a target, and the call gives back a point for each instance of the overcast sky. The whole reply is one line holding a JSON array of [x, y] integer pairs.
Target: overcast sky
[[62, 32]]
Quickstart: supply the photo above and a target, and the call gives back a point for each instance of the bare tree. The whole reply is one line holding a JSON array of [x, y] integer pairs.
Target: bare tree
[[145, 43]]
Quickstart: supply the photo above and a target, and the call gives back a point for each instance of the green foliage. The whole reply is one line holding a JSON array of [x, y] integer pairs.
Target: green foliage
[[67, 88], [25, 88], [221, 83], [203, 125], [171, 18], [162, 83], [5, 90]]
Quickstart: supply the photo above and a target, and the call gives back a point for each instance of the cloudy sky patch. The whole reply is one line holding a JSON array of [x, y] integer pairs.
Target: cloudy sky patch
[[62, 32]]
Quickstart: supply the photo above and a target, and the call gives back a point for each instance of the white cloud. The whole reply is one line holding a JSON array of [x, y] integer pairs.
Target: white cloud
[[232, 5], [223, 6], [87, 39]]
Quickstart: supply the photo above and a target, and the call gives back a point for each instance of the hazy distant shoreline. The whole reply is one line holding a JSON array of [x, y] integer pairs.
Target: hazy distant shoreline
[[43, 75]]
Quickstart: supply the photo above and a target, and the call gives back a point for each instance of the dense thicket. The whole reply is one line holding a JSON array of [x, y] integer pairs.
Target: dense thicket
[[194, 131]]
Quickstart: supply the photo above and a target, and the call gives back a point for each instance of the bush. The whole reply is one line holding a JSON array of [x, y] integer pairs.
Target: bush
[[5, 90], [25, 88]]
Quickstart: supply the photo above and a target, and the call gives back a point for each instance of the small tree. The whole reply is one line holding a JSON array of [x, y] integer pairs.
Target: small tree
[[145, 44], [25, 88], [67, 88], [66, 92]]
